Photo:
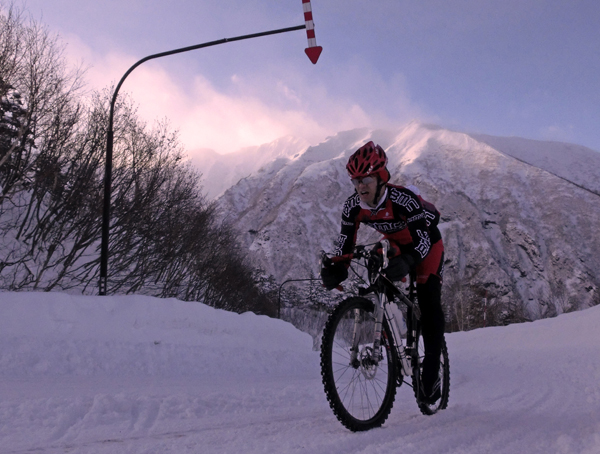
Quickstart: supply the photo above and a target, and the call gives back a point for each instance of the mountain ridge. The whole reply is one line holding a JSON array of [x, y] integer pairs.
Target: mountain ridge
[[518, 153], [223, 171], [510, 228]]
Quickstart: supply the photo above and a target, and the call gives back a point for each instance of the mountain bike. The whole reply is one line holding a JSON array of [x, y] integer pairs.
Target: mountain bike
[[368, 351]]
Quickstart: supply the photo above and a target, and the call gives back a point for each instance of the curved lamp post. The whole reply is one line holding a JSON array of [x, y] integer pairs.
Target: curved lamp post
[[109, 138], [281, 286]]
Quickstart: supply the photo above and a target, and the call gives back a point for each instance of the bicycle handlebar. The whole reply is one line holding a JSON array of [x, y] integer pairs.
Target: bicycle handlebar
[[343, 258], [362, 252], [359, 253]]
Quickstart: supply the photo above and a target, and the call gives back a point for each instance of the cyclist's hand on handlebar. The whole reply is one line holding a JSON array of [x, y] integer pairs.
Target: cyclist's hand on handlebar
[[399, 267], [376, 260], [393, 250], [332, 274]]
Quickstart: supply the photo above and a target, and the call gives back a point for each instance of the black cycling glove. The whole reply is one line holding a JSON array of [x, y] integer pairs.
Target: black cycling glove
[[332, 274], [399, 267]]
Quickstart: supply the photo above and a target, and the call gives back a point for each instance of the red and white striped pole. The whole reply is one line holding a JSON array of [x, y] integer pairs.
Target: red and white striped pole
[[312, 51]]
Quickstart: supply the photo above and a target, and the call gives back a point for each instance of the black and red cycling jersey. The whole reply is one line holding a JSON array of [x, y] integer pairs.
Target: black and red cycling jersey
[[404, 218]]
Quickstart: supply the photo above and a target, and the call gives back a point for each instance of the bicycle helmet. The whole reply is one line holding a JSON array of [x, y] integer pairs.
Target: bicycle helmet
[[370, 159]]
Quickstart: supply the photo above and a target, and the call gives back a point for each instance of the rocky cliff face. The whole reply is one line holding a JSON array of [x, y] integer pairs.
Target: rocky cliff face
[[519, 218]]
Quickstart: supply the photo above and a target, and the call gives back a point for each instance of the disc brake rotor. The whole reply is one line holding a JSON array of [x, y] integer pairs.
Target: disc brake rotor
[[369, 362]]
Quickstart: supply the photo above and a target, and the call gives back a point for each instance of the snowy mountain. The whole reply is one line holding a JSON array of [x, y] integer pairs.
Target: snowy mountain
[[574, 163], [220, 172], [519, 217], [133, 374]]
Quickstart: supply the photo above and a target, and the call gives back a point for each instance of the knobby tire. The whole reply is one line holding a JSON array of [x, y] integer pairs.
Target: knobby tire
[[361, 395], [444, 374]]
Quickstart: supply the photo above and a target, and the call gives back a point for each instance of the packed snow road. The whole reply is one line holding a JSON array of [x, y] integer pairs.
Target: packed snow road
[[143, 375]]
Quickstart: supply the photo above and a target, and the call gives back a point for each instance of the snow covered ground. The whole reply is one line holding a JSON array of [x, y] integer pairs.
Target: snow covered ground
[[131, 374]]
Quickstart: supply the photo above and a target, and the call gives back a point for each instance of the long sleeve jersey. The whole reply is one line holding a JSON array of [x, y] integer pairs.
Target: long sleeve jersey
[[404, 218]]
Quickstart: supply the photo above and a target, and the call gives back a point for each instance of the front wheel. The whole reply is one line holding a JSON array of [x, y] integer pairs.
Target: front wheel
[[359, 380]]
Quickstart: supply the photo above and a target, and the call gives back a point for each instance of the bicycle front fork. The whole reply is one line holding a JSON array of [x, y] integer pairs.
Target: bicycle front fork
[[395, 321]]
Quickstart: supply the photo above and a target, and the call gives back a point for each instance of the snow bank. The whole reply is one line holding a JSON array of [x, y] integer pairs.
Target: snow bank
[[60, 334], [131, 374]]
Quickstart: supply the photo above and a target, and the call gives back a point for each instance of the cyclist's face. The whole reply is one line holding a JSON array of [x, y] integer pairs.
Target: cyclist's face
[[366, 188]]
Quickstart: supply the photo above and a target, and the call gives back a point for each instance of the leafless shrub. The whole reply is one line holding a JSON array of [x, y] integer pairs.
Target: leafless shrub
[[165, 239]]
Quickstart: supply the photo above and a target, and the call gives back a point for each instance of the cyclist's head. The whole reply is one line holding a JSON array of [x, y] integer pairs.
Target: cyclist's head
[[368, 160]]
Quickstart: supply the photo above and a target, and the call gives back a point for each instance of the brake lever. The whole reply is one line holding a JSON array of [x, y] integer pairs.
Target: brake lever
[[385, 246], [325, 259]]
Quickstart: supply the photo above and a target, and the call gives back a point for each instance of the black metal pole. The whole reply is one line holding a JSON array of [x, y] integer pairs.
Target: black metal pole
[[109, 140], [281, 286]]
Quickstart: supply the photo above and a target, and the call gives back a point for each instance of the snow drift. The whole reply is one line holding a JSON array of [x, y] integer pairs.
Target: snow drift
[[142, 375]]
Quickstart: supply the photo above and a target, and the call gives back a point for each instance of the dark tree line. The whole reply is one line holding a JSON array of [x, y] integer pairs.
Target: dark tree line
[[469, 306], [165, 238]]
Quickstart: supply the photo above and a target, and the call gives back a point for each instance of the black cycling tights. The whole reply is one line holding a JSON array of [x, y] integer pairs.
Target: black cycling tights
[[432, 322]]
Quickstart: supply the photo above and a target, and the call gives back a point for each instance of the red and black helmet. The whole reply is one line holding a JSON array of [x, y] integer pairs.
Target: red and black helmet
[[370, 159]]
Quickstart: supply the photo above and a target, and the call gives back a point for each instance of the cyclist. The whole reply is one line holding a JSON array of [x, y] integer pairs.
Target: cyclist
[[410, 225]]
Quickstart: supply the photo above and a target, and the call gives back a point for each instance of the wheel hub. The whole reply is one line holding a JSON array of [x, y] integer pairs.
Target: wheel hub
[[369, 362]]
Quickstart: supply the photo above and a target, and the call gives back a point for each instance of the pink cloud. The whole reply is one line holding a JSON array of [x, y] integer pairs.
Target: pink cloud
[[225, 122]]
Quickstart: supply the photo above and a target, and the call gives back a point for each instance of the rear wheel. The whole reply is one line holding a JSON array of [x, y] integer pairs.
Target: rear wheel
[[428, 408], [360, 382]]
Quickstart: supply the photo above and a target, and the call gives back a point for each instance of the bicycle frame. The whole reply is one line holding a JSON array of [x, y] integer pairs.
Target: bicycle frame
[[379, 286], [366, 354]]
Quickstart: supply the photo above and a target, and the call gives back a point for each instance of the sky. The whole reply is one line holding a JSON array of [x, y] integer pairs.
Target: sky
[[526, 68]]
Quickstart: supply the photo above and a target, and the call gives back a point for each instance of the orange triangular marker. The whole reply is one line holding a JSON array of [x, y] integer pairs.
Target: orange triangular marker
[[313, 53]]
